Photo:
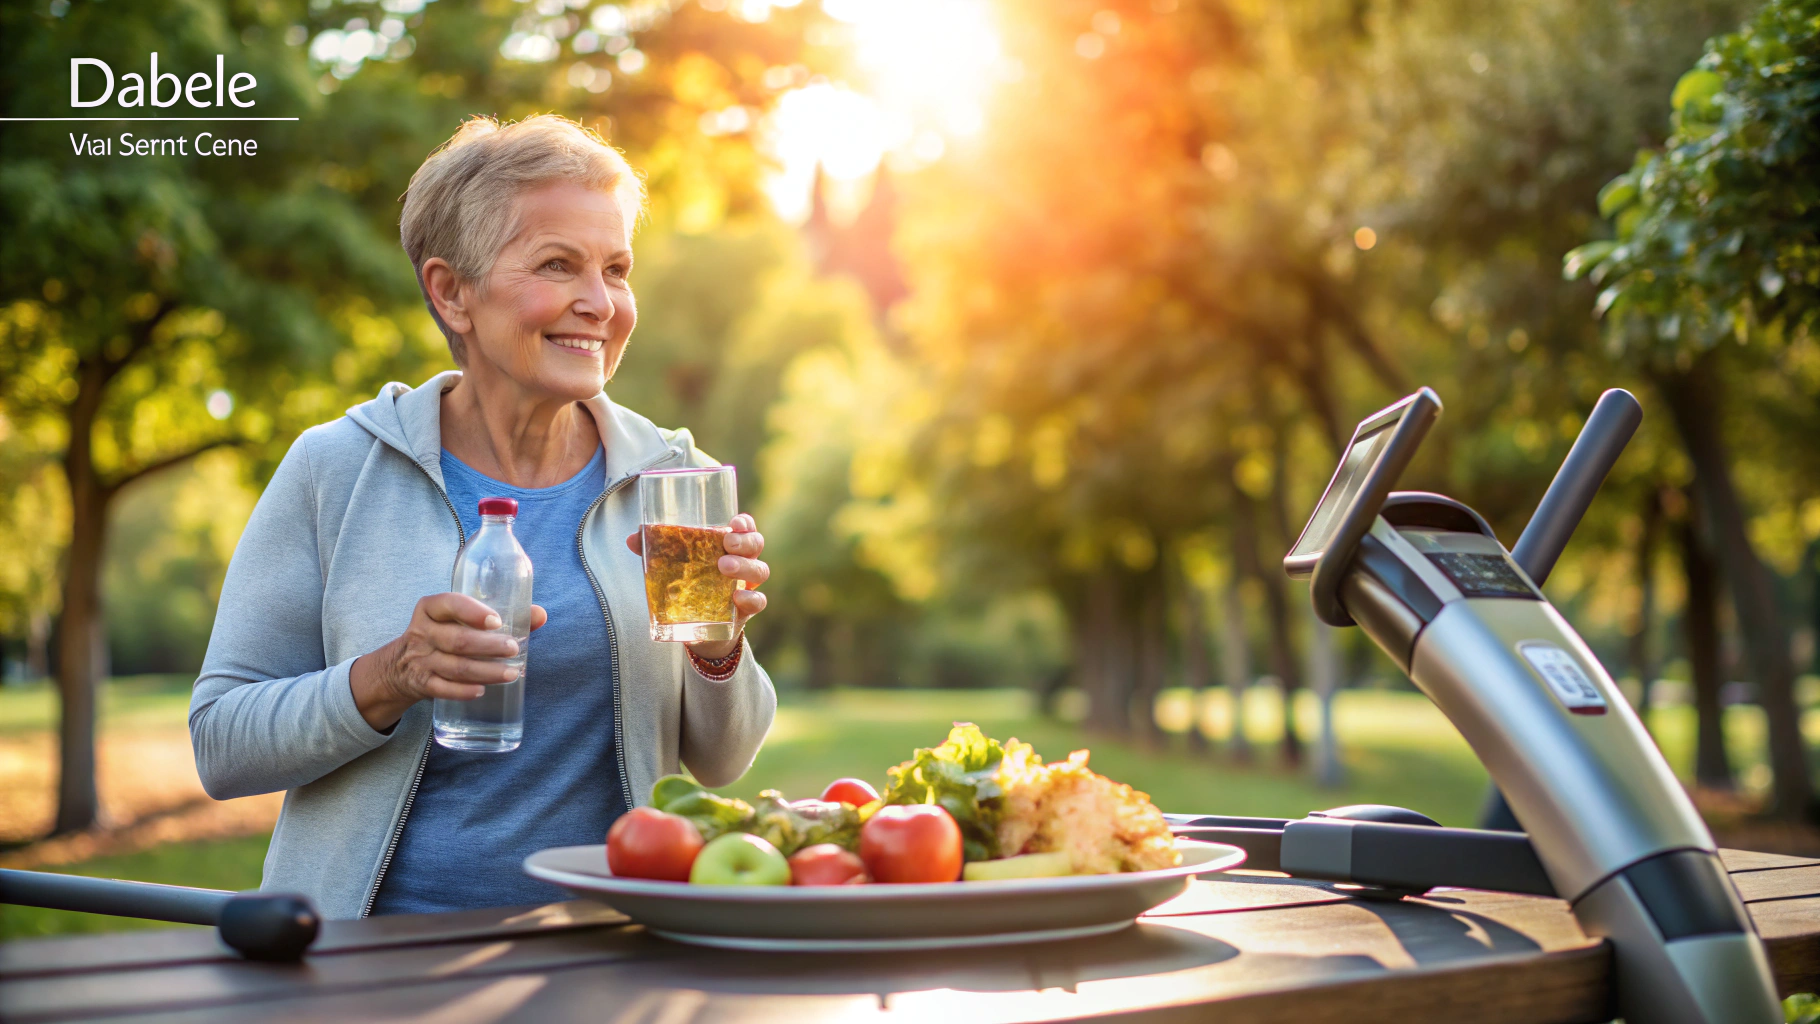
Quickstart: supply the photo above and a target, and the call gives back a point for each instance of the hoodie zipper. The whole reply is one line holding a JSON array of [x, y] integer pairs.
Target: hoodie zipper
[[410, 796], [619, 718]]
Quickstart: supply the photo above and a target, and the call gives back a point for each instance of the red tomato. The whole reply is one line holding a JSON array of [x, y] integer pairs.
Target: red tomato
[[853, 792], [826, 864], [915, 843], [648, 843]]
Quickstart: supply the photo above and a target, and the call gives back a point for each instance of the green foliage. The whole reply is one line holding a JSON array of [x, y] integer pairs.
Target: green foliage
[[202, 273], [34, 516], [1491, 131], [1715, 235], [1144, 301], [960, 775], [172, 539], [842, 604]]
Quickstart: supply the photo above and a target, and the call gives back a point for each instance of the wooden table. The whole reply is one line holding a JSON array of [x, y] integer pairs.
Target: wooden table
[[1249, 948]]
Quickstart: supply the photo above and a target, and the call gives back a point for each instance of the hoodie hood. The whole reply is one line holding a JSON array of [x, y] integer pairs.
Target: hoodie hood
[[410, 420]]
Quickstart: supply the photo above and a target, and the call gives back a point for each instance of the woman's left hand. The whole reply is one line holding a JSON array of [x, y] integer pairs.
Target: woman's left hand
[[744, 545]]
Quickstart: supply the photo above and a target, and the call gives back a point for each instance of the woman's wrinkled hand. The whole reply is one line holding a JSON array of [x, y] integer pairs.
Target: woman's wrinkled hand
[[744, 544], [445, 653]]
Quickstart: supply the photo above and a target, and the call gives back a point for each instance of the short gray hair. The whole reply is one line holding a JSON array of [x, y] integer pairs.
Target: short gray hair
[[462, 203]]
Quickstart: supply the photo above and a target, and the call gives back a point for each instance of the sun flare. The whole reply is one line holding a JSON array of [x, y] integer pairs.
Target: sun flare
[[923, 72]]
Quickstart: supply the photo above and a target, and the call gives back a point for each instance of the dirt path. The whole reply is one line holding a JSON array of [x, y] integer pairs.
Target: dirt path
[[150, 795]]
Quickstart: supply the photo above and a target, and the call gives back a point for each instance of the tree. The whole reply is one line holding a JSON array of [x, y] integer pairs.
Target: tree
[[1718, 240], [154, 308], [1493, 127], [1153, 300], [1116, 307], [849, 602], [134, 289]]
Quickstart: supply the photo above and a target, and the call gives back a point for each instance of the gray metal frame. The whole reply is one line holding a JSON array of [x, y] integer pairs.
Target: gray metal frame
[[1613, 829]]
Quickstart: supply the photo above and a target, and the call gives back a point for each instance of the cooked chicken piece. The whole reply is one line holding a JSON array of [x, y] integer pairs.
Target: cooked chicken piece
[[1104, 826]]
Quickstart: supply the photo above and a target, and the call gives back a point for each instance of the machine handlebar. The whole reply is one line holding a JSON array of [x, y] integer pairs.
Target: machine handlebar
[[1614, 419], [261, 926]]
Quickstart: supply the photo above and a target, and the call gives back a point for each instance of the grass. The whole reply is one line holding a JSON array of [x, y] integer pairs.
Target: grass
[[1396, 749], [126, 701]]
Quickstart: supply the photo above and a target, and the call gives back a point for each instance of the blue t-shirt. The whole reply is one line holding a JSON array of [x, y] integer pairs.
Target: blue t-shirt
[[477, 816]]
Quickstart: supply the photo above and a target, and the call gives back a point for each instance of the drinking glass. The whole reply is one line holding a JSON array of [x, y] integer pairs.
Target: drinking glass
[[686, 516]]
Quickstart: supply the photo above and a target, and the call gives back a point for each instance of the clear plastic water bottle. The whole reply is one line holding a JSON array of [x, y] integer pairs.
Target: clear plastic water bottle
[[494, 570]]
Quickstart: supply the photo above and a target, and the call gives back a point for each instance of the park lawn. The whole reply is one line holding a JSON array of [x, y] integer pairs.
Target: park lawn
[[1396, 748], [126, 702]]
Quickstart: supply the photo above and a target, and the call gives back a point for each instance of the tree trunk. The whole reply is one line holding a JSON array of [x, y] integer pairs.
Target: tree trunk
[[1712, 768], [1193, 633], [1235, 662], [1276, 610], [1694, 402], [1641, 660], [1150, 649], [1812, 561], [81, 651], [37, 646], [81, 631], [1277, 592], [1105, 653], [1324, 676], [821, 661], [1089, 625]]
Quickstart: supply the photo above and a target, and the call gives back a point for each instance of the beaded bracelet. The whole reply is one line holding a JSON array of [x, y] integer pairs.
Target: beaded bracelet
[[719, 670]]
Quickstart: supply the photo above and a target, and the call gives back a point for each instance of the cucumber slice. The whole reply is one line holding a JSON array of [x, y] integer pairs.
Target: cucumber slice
[[1030, 865]]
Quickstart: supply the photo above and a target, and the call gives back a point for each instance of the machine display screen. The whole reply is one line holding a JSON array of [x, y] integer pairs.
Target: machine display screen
[[1361, 455], [1482, 575]]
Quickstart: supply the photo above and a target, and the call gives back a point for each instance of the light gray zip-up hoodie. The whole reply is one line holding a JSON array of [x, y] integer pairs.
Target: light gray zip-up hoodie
[[354, 528]]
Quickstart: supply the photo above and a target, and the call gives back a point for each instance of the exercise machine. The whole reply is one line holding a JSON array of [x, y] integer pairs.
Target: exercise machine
[[1607, 826]]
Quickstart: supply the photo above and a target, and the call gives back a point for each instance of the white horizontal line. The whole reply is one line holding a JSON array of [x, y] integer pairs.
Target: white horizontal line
[[148, 119]]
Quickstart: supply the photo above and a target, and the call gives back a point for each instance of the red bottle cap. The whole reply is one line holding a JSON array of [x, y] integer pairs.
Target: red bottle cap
[[498, 506]]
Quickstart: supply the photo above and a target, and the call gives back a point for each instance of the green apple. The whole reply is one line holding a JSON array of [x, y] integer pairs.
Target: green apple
[[1030, 865], [740, 858]]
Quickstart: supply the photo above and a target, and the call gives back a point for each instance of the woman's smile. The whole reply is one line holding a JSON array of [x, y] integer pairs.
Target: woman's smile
[[580, 344]]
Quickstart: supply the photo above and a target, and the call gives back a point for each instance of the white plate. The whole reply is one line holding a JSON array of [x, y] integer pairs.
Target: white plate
[[846, 918]]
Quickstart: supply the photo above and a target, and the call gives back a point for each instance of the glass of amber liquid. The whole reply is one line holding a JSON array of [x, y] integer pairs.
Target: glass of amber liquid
[[685, 521]]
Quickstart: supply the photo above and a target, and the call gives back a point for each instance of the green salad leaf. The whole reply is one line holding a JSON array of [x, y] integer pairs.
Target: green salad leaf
[[713, 814], [961, 776], [785, 825], [793, 826]]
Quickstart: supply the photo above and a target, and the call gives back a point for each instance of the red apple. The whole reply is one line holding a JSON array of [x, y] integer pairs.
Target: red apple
[[826, 864]]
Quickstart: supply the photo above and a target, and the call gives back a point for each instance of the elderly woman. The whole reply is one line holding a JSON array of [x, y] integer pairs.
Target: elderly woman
[[336, 629]]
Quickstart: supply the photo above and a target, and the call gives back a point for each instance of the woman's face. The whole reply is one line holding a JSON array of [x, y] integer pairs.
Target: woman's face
[[556, 310]]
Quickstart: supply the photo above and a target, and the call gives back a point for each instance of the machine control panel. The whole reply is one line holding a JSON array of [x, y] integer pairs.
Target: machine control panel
[[1482, 575], [1474, 563], [1570, 683]]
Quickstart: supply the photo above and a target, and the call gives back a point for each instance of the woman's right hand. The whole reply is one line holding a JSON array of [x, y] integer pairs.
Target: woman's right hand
[[445, 653]]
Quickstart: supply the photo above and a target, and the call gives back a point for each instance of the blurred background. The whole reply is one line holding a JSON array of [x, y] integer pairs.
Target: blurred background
[[1034, 327]]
